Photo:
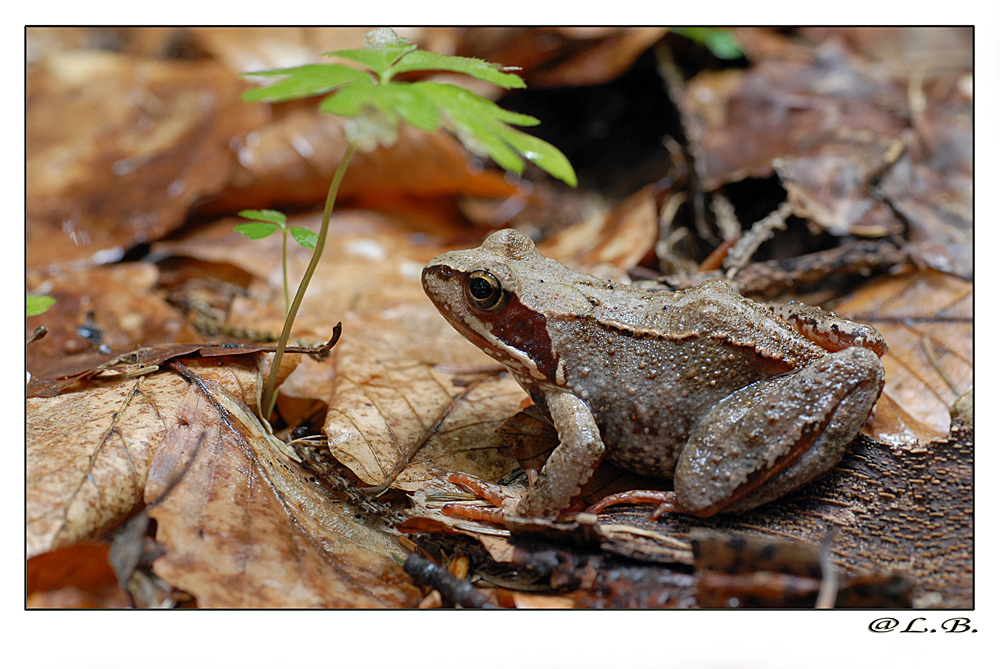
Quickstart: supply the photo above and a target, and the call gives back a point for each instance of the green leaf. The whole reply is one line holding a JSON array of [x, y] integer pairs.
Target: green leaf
[[39, 304], [350, 100], [306, 238], [264, 215], [377, 59], [411, 104], [541, 153], [473, 67], [256, 230], [394, 100], [303, 81], [481, 126]]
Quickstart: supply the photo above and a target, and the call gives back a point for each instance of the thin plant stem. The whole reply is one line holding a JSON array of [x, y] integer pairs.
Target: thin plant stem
[[284, 264], [269, 396]]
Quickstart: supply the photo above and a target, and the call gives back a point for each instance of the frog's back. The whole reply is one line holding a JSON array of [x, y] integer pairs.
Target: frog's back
[[650, 365]]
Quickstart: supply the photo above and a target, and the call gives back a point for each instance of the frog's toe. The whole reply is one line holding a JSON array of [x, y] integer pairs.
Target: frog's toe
[[665, 500], [480, 513]]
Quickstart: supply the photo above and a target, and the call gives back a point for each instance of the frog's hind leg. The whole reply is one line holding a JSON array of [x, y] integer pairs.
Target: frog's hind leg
[[774, 436]]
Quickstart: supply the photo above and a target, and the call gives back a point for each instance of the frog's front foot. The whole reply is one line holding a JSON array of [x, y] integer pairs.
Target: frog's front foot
[[665, 500]]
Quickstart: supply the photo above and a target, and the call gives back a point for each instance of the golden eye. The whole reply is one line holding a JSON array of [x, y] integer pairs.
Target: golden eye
[[483, 290]]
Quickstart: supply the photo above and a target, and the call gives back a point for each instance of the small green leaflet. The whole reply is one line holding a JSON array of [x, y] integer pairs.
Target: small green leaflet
[[304, 237], [256, 230], [302, 82], [39, 304], [267, 221], [265, 215]]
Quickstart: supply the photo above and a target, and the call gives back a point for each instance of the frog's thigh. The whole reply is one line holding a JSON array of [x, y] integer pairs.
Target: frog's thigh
[[571, 465], [773, 436]]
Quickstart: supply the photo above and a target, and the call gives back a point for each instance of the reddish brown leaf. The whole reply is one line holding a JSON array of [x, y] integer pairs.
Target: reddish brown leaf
[[74, 577]]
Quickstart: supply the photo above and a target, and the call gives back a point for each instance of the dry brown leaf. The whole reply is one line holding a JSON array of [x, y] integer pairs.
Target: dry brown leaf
[[561, 56], [621, 239], [858, 149], [926, 318], [243, 528], [390, 409], [118, 148], [121, 300], [785, 108], [88, 456]]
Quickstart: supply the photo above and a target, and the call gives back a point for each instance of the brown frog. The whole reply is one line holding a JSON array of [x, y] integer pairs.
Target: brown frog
[[703, 385]]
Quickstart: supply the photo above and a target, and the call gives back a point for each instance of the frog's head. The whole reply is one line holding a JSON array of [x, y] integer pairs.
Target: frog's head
[[487, 295]]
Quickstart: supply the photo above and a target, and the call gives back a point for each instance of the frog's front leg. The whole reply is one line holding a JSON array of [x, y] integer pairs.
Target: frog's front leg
[[568, 469], [571, 465], [774, 436]]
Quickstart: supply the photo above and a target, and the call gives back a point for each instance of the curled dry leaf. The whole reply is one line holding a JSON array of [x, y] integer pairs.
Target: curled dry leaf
[[561, 56], [156, 133], [614, 243]]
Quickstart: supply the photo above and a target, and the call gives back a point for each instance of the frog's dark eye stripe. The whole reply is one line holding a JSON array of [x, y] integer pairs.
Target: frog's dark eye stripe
[[483, 291]]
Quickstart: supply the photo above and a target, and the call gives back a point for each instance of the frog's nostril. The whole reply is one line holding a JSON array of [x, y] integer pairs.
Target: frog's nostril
[[442, 272]]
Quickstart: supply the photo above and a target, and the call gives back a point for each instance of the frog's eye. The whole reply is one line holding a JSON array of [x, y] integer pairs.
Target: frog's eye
[[483, 290]]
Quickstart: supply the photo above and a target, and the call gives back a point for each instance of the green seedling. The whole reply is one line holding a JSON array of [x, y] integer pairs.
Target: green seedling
[[265, 223], [365, 93]]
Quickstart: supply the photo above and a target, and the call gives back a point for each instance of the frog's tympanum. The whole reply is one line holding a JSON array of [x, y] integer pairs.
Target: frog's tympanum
[[702, 385]]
